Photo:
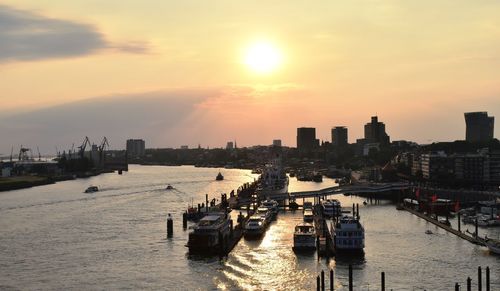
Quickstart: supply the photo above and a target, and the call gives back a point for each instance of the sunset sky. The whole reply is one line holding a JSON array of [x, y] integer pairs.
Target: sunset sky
[[177, 72]]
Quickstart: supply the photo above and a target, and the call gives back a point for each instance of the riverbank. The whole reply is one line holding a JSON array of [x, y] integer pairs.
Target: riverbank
[[22, 182]]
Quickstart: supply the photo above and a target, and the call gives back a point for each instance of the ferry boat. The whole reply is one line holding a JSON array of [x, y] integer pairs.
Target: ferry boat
[[331, 208], [255, 226], [274, 181], [304, 236], [92, 189], [349, 234], [308, 215], [272, 206], [210, 232], [219, 177]]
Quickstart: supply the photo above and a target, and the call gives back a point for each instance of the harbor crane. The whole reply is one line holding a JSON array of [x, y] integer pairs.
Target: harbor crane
[[104, 145], [81, 149]]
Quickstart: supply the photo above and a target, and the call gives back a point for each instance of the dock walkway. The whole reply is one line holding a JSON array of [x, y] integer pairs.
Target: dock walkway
[[469, 238]]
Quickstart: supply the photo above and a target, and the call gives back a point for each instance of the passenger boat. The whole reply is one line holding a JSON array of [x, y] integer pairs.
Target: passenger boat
[[265, 213], [308, 215], [255, 226], [304, 236], [210, 233], [493, 245], [92, 189], [219, 177], [349, 234], [272, 206], [331, 208], [273, 181]]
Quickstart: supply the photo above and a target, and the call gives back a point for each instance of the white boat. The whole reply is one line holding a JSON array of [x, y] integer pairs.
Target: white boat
[[274, 181], [210, 232], [92, 189], [272, 206], [308, 215], [349, 234], [304, 236], [331, 208], [493, 245], [255, 226], [265, 213]]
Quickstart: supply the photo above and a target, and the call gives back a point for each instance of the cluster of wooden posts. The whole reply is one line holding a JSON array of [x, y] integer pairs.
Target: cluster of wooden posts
[[320, 281]]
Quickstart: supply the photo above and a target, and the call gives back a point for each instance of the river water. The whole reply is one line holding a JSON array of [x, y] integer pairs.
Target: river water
[[56, 237]]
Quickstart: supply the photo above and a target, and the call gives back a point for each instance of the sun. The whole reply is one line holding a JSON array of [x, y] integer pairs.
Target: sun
[[263, 58]]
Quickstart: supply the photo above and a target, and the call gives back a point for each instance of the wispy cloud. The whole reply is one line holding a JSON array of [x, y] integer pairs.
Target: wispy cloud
[[27, 36]]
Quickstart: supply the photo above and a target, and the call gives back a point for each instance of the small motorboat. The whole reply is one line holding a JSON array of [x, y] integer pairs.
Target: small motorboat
[[219, 177], [169, 187], [428, 231], [91, 189]]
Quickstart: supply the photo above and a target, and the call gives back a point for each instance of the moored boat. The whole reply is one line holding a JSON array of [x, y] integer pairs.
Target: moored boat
[[169, 187], [219, 177], [349, 234], [210, 233], [272, 206], [255, 226], [304, 236], [331, 208], [308, 215]]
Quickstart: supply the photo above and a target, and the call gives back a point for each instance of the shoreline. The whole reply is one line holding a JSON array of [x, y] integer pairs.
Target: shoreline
[[23, 182]]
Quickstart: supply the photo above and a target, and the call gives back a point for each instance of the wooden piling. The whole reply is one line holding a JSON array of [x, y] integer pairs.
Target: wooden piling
[[322, 280], [184, 220], [170, 226], [469, 284], [479, 279], [382, 279], [487, 278], [350, 278], [318, 287], [357, 210], [457, 287], [459, 221], [353, 210], [332, 281]]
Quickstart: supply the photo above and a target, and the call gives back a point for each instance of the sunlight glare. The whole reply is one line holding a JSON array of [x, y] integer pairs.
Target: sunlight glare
[[263, 58]]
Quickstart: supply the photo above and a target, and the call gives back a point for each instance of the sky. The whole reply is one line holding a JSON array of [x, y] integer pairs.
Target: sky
[[174, 72]]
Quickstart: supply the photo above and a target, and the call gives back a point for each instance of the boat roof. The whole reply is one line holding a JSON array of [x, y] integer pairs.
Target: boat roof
[[211, 217], [304, 224]]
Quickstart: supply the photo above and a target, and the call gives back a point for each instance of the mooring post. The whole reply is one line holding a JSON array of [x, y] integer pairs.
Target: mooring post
[[331, 280], [357, 210], [318, 287], [457, 287], [170, 226], [476, 234], [350, 278], [322, 280], [459, 221], [206, 202], [487, 278], [479, 279], [353, 210], [184, 220], [469, 284], [382, 284]]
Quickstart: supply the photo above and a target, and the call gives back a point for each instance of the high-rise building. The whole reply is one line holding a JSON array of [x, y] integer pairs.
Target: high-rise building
[[306, 139], [229, 145], [479, 126], [339, 136], [136, 147], [277, 142], [375, 132]]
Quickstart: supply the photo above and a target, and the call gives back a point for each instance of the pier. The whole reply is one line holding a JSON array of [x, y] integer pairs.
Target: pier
[[460, 234]]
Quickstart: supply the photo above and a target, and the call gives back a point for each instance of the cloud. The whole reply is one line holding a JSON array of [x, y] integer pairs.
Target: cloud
[[27, 36]]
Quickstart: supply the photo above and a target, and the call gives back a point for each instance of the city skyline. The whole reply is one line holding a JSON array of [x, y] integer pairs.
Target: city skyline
[[186, 76]]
